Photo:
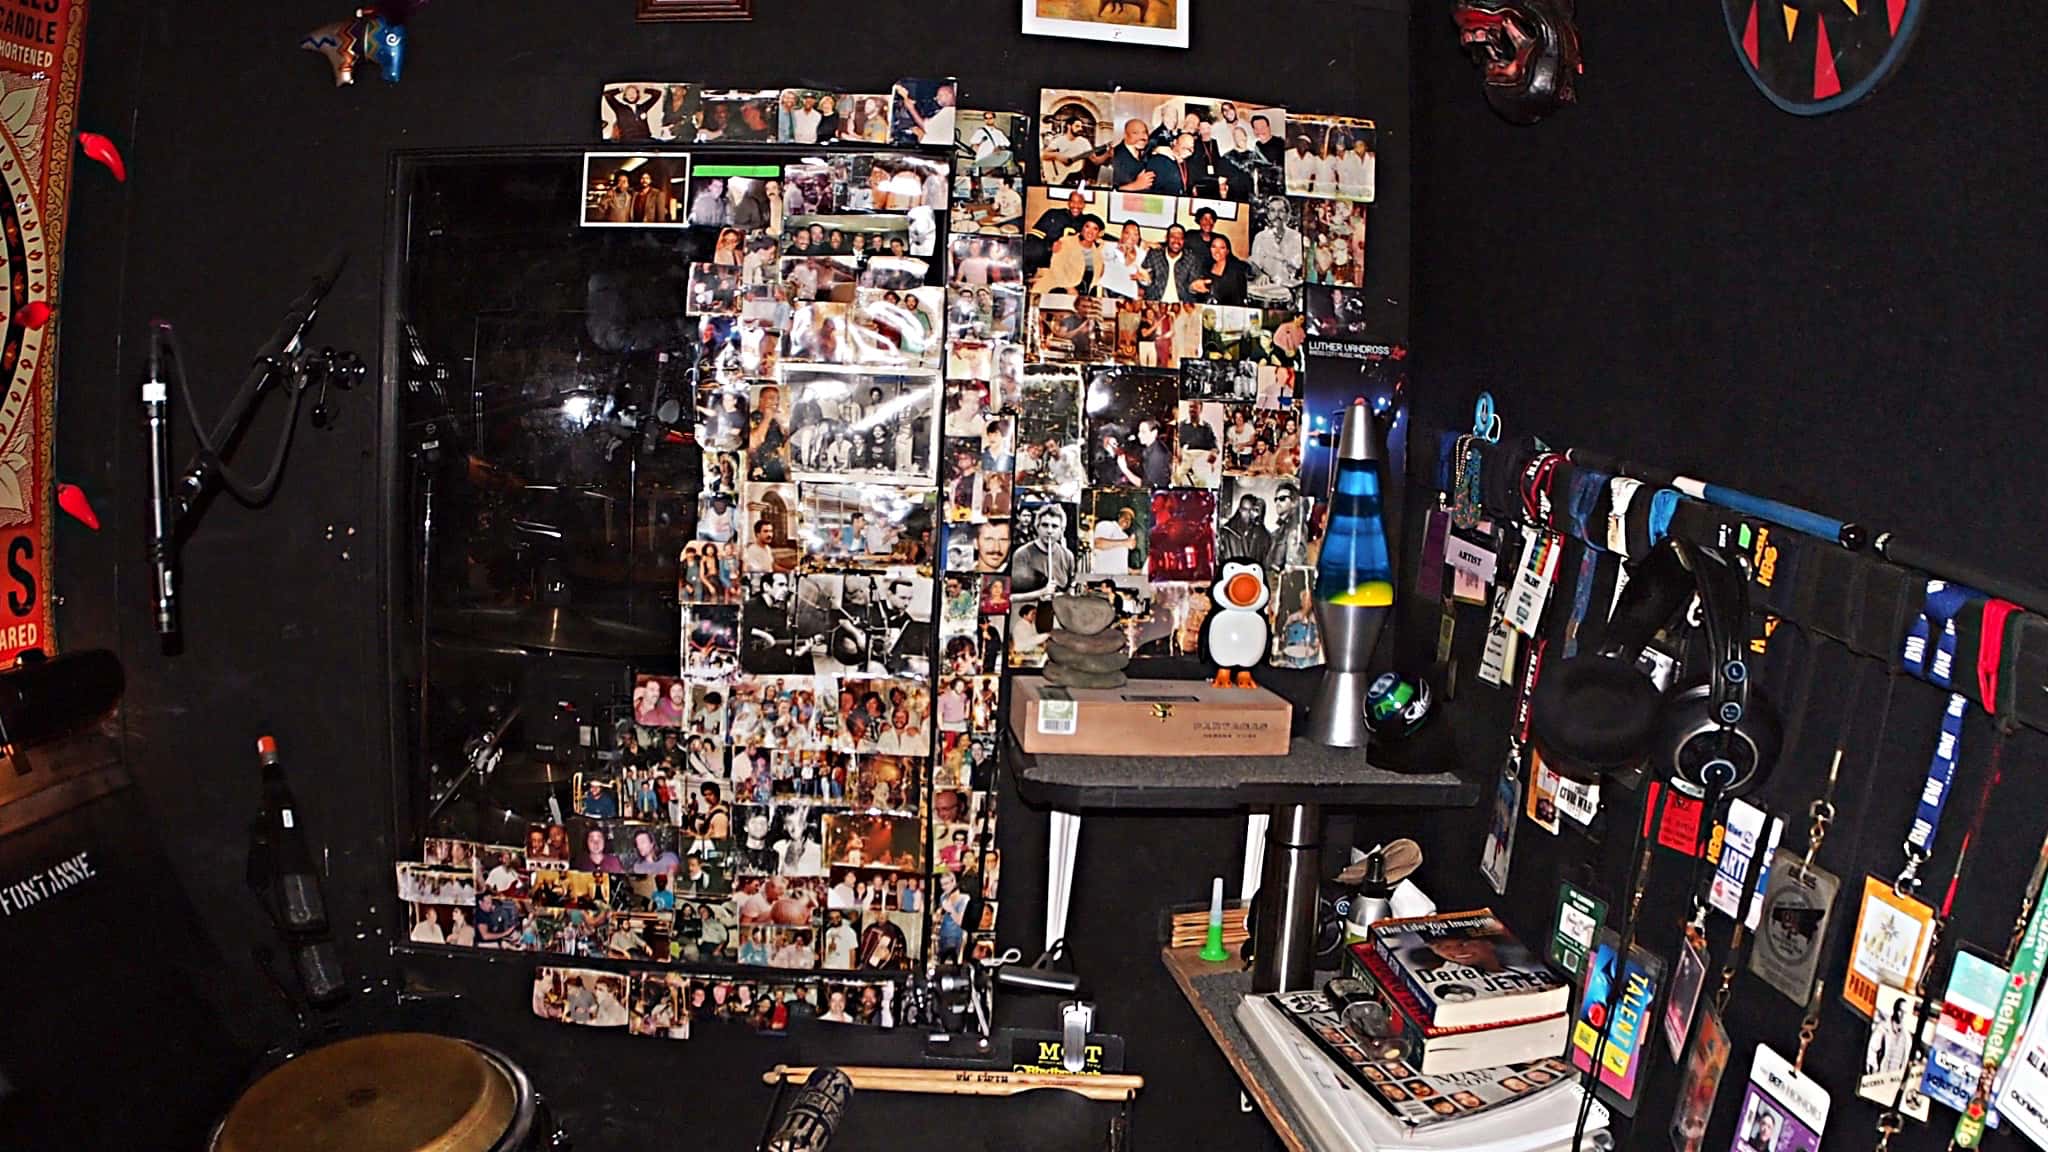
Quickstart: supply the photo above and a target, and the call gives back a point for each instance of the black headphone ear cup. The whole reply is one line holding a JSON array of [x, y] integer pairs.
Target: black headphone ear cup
[[1691, 735], [1593, 714]]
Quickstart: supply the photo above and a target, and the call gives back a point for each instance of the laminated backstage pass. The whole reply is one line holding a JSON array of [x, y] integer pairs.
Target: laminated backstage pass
[[1687, 978], [1679, 827], [1499, 655], [2015, 1001], [1794, 926], [1782, 1111], [1890, 1058], [2023, 1087], [1627, 1049], [1578, 919], [1499, 848], [1534, 576], [1892, 936], [1542, 802], [1466, 558], [1748, 829], [1701, 1083], [1467, 588], [1955, 1056], [1579, 801]]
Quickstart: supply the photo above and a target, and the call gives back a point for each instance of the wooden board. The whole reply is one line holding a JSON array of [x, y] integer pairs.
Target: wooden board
[[51, 779], [1214, 991]]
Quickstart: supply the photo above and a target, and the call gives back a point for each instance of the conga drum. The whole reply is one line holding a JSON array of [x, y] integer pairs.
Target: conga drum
[[391, 1092]]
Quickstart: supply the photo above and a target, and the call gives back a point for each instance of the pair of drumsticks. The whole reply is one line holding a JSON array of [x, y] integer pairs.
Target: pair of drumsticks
[[969, 1081]]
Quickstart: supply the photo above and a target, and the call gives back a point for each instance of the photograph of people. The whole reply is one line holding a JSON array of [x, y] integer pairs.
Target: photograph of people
[[1223, 279]]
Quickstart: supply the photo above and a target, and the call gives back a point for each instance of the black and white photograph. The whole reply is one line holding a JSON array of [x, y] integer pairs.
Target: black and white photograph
[[1264, 519], [861, 622], [1044, 559], [635, 189], [1230, 381], [769, 640], [1277, 252], [851, 422]]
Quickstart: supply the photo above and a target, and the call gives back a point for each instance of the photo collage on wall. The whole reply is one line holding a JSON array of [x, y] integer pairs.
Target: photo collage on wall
[[1147, 325], [807, 788]]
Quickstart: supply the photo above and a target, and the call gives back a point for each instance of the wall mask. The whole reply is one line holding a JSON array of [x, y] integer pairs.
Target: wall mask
[[1526, 50]]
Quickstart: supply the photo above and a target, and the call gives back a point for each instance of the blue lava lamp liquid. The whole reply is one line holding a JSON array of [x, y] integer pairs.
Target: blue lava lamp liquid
[[1355, 570]]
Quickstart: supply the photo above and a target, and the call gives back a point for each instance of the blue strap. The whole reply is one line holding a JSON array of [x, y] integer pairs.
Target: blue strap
[[1932, 657], [1662, 504], [1582, 597], [1941, 770], [1587, 485]]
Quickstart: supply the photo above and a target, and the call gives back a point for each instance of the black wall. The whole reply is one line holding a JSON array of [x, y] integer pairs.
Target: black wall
[[1839, 312], [246, 165]]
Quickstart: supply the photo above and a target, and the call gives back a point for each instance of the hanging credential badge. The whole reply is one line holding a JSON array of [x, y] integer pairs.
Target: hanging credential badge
[[1783, 1110], [1794, 926]]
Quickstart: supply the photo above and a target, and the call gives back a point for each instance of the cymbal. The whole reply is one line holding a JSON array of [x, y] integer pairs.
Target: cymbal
[[393, 1092], [550, 629]]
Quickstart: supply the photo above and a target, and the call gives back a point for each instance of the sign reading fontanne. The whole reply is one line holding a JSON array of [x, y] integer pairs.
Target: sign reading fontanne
[[18, 896]]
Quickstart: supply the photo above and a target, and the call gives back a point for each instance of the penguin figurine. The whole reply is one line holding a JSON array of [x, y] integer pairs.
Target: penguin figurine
[[1234, 636]]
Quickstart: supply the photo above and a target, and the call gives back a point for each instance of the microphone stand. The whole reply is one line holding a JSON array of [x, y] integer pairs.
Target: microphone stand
[[178, 504]]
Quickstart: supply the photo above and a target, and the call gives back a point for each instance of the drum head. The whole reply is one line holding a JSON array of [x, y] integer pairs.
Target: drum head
[[393, 1092]]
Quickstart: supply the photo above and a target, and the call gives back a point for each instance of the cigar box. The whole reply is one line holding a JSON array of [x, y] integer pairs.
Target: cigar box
[[1149, 718]]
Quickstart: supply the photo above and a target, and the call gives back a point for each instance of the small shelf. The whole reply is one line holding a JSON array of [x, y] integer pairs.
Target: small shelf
[[1310, 773]]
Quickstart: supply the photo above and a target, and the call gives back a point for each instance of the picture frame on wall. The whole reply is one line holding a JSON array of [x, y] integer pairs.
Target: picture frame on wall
[[675, 11], [1159, 23]]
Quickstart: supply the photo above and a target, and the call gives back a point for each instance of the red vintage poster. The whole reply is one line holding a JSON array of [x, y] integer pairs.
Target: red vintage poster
[[41, 56]]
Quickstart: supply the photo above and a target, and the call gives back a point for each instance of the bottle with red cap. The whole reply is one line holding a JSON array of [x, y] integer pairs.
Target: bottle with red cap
[[295, 887]]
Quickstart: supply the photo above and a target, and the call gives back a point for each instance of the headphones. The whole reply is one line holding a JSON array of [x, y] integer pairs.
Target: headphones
[[1599, 714]]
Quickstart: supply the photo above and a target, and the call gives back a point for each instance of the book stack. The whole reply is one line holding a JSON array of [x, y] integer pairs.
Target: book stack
[[1465, 993], [1484, 1023]]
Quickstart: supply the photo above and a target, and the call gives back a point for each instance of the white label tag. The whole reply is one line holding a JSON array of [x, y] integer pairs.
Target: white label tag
[[1499, 654], [1469, 558], [1579, 801], [289, 822], [1058, 717], [1533, 578]]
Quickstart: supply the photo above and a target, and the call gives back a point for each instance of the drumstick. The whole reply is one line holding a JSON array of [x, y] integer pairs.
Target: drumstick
[[969, 1081]]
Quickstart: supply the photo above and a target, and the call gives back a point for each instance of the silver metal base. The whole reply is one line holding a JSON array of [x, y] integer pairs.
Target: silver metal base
[[1337, 718]]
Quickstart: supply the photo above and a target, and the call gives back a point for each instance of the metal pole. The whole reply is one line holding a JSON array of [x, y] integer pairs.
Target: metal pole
[[1284, 960]]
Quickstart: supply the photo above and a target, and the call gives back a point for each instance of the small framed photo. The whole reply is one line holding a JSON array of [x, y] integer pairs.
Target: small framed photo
[[635, 189], [1160, 23]]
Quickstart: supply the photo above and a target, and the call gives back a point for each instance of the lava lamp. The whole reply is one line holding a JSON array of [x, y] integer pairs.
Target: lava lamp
[[1354, 581]]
